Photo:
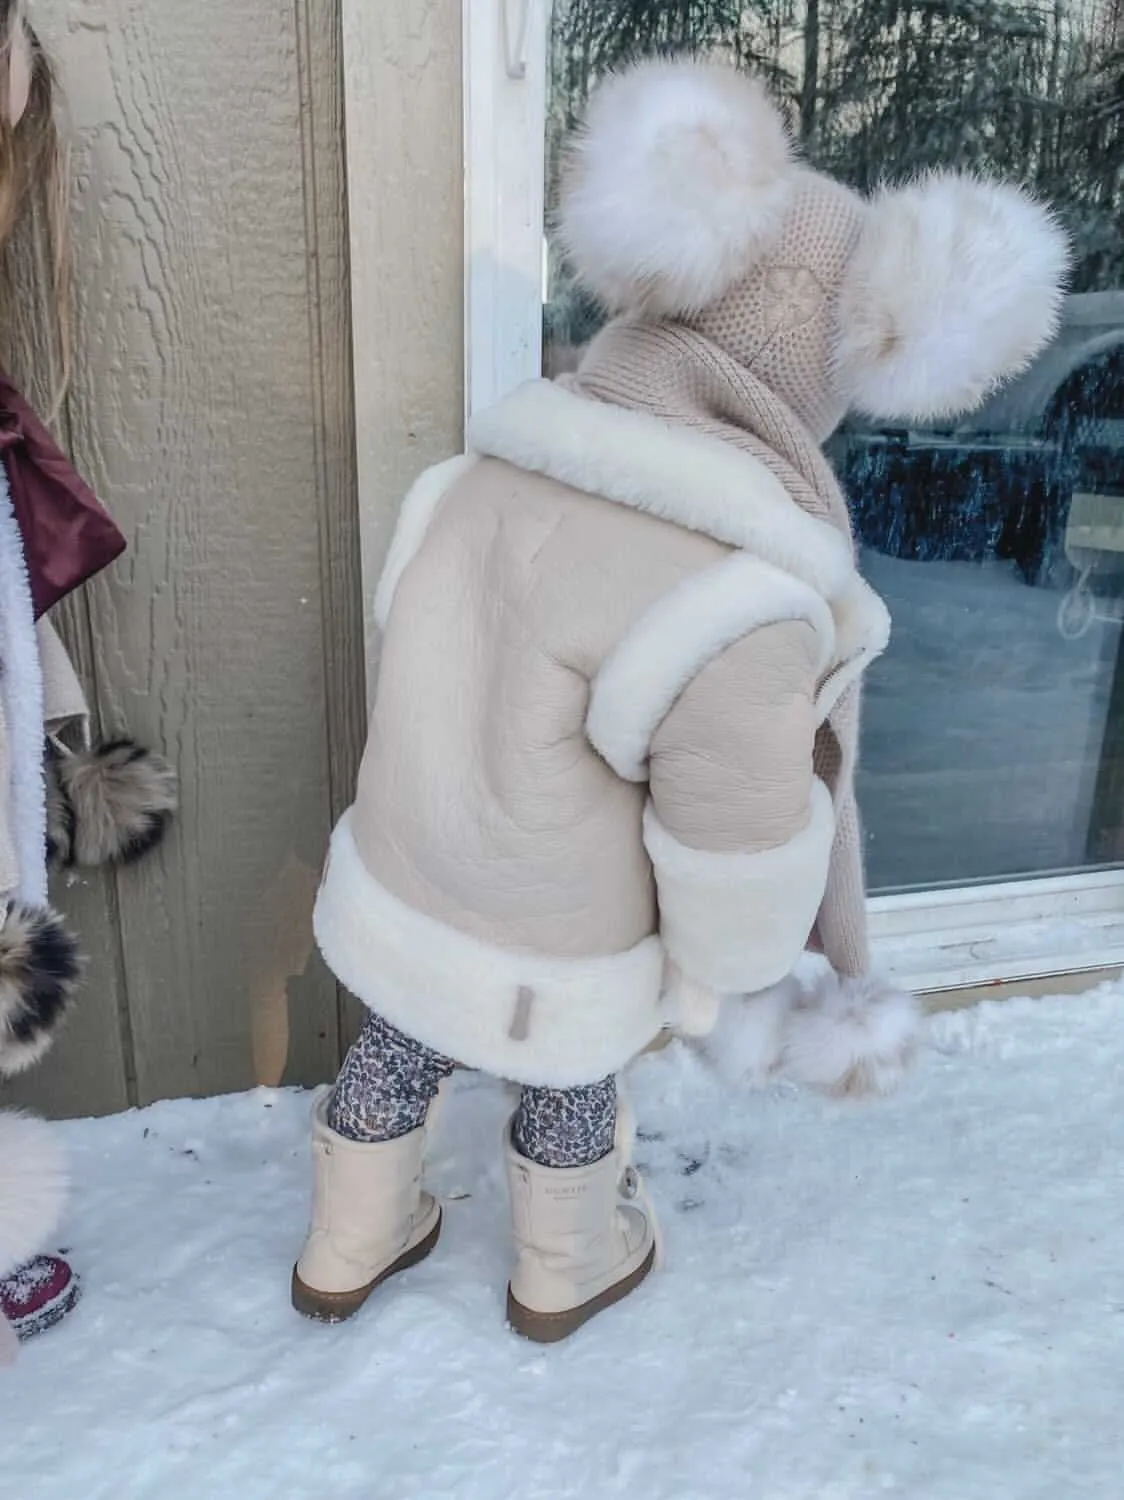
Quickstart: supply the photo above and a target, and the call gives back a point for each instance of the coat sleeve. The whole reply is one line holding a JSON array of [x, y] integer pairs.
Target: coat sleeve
[[713, 700], [738, 828]]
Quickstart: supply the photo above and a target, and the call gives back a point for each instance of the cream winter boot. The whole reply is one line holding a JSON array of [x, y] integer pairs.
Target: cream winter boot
[[584, 1238], [370, 1218]]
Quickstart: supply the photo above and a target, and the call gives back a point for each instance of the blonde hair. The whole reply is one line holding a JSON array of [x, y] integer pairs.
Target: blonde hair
[[34, 215]]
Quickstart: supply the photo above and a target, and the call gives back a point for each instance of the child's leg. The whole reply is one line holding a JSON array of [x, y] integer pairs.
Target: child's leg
[[386, 1085], [585, 1235], [371, 1217], [567, 1127]]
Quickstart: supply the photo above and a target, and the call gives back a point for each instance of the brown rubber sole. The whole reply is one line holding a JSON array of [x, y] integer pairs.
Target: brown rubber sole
[[337, 1307], [552, 1328]]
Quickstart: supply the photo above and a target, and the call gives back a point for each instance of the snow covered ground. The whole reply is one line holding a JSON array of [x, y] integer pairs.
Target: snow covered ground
[[923, 1298]]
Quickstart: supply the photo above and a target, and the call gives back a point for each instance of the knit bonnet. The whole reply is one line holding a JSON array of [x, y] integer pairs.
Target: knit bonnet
[[683, 199]]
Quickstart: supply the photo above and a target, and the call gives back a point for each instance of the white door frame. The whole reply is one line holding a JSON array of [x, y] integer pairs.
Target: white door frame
[[505, 43]]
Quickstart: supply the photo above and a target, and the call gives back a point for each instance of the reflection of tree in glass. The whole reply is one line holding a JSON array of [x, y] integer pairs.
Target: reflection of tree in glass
[[1032, 89]]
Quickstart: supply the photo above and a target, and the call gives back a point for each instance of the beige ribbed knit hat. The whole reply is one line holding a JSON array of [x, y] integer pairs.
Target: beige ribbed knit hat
[[780, 320], [683, 199]]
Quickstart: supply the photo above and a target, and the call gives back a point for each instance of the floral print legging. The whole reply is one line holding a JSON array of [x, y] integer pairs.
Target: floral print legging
[[388, 1081]]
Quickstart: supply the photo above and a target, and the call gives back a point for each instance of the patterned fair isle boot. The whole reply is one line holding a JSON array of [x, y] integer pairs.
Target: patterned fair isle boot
[[38, 1295]]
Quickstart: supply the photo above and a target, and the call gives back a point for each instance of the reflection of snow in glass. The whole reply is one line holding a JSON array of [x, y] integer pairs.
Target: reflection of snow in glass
[[998, 540]]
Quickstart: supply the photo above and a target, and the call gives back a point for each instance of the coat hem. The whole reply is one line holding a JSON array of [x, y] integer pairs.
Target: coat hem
[[534, 1019]]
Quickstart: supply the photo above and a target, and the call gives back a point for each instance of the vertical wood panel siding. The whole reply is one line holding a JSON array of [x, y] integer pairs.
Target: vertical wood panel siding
[[212, 408]]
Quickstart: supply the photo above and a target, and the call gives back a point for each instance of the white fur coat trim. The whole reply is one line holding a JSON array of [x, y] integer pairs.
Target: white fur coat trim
[[675, 639], [32, 1188], [680, 476], [418, 510], [545, 1021], [736, 923], [21, 692]]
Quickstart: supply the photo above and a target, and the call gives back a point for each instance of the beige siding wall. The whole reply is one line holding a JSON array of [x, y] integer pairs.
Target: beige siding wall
[[406, 188], [212, 409], [402, 66]]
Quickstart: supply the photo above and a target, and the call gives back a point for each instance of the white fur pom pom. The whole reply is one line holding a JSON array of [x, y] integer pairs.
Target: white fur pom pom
[[678, 181], [956, 286], [851, 1037], [32, 1187]]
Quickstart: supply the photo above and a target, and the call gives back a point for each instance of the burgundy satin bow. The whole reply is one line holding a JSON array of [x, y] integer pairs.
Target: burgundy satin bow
[[68, 536]]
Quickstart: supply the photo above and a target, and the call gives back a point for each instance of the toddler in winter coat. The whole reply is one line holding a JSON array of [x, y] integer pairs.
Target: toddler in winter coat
[[609, 780]]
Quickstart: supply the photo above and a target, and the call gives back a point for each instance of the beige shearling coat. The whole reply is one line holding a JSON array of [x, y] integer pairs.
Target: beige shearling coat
[[588, 790]]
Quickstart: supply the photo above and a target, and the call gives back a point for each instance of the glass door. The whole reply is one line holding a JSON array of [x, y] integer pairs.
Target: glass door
[[992, 768]]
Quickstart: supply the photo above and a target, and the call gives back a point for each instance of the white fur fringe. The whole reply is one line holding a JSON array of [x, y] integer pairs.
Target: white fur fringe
[[849, 1038]]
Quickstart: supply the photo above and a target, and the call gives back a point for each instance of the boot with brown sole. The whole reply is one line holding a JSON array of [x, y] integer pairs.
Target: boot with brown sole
[[371, 1219], [585, 1238]]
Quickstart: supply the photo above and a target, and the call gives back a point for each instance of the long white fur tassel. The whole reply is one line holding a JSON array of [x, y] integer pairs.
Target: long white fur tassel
[[849, 1038]]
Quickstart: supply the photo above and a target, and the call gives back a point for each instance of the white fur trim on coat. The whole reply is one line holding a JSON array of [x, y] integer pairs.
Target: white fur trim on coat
[[675, 639], [677, 183], [544, 1021], [738, 922], [672, 473], [33, 1183], [414, 520], [955, 286]]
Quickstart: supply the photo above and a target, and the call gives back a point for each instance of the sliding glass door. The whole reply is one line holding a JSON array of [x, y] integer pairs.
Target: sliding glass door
[[993, 757]]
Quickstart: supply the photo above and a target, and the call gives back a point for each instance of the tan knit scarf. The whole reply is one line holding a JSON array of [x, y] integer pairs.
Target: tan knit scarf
[[684, 379]]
